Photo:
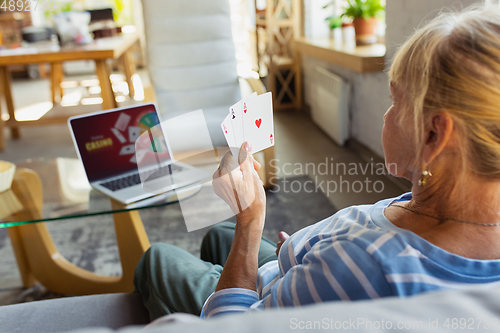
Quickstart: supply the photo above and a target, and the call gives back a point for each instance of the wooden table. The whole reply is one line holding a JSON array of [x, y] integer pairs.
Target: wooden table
[[40, 192], [102, 49], [39, 260]]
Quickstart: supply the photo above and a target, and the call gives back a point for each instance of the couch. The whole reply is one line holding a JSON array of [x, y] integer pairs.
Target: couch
[[443, 311]]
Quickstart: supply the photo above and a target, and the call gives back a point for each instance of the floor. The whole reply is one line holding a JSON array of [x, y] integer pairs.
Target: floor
[[344, 176]]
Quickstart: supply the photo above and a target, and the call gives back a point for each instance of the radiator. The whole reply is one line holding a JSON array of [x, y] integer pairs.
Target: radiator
[[330, 104]]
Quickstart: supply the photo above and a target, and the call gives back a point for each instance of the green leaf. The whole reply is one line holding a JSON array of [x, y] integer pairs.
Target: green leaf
[[334, 22], [363, 8], [331, 3]]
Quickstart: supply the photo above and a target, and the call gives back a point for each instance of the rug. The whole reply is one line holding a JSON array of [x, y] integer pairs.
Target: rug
[[90, 242]]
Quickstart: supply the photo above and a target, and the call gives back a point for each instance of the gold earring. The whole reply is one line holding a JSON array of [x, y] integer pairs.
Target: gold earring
[[425, 175]]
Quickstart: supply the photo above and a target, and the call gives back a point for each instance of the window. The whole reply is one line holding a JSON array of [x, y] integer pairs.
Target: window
[[315, 15]]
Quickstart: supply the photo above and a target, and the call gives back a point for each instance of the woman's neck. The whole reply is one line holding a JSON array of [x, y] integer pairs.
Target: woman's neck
[[464, 197], [476, 203], [468, 198]]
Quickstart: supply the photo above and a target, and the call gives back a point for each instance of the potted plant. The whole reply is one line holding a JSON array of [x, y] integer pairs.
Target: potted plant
[[335, 24], [334, 21], [365, 15]]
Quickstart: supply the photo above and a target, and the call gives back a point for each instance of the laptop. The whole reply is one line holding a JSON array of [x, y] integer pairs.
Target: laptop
[[106, 142]]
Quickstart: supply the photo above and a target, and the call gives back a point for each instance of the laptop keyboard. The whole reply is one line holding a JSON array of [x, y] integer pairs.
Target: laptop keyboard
[[135, 179]]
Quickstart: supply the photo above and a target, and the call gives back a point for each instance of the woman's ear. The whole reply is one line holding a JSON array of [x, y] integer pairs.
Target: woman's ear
[[438, 130]]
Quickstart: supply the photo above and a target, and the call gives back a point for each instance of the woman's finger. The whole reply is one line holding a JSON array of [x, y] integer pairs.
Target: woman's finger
[[245, 160], [278, 247], [256, 165], [223, 161], [227, 164], [216, 174], [283, 236]]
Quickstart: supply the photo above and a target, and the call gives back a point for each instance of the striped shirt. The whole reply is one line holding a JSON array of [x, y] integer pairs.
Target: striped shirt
[[356, 254]]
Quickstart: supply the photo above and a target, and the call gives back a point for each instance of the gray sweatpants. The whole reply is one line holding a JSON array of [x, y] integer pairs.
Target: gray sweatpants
[[171, 279]]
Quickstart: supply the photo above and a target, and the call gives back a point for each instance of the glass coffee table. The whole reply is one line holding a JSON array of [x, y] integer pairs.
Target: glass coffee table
[[46, 190]]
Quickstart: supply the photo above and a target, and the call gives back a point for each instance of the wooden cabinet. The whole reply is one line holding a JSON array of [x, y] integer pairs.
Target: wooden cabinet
[[277, 27]]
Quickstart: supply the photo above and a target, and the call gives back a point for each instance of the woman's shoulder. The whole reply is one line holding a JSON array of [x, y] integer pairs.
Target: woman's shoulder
[[370, 216], [362, 225]]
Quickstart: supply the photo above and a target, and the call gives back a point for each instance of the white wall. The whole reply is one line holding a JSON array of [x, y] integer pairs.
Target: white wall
[[404, 16], [315, 24], [370, 95]]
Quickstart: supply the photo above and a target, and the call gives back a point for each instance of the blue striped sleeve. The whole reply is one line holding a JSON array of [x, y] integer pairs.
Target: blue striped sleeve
[[231, 300], [268, 274], [332, 270]]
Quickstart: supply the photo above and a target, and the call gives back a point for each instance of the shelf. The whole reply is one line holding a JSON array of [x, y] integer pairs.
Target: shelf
[[279, 62], [361, 59], [284, 23], [261, 22]]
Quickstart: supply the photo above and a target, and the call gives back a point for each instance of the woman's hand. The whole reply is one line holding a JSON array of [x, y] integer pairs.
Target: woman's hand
[[239, 185], [283, 236]]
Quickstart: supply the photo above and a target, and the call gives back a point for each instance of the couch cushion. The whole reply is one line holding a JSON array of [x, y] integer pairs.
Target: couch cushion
[[429, 312], [63, 314]]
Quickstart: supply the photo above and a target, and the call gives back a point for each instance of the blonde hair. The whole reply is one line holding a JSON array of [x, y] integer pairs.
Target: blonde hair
[[452, 64]]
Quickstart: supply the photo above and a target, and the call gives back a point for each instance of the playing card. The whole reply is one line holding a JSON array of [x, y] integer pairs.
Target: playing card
[[133, 133], [227, 129], [236, 112], [118, 135], [127, 150], [258, 126], [122, 121]]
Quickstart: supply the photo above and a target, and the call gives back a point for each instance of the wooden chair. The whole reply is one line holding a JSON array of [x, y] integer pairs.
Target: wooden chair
[[192, 63]]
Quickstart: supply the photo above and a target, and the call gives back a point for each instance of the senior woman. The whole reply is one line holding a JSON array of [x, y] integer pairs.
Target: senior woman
[[442, 133]]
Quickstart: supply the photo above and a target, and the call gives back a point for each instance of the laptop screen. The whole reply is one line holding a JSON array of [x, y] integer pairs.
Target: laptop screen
[[106, 141]]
